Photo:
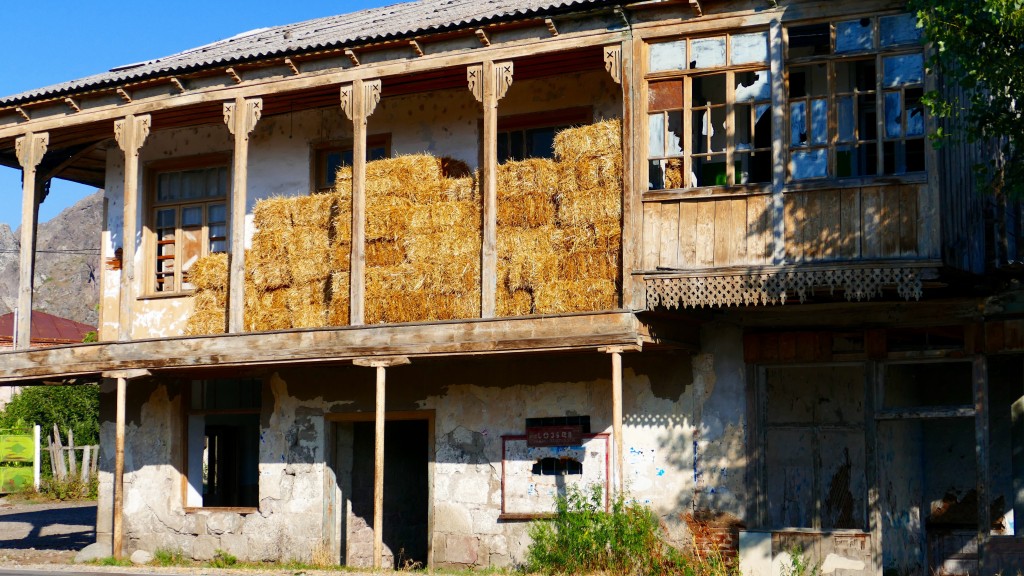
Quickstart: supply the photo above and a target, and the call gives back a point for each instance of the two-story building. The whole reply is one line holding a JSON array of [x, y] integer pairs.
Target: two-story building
[[378, 287]]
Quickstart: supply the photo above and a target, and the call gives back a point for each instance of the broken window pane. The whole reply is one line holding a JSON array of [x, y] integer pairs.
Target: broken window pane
[[856, 75], [915, 155], [656, 175], [708, 90], [718, 132], [808, 81], [656, 130], [752, 86], [674, 145], [867, 123], [808, 164], [709, 170], [749, 48], [897, 30], [665, 95], [701, 127], [903, 70], [819, 121], [753, 168], [855, 160], [855, 36], [813, 40], [893, 115], [798, 124], [668, 56], [707, 52], [846, 118], [915, 112]]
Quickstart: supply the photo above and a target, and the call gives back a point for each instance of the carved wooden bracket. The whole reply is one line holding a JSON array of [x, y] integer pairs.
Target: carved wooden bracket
[[72, 104], [695, 4], [253, 112], [502, 80], [30, 149], [131, 133], [381, 362], [177, 84], [124, 95], [551, 26], [416, 47], [613, 61], [21, 112], [482, 36], [292, 66], [371, 97], [352, 56], [234, 75]]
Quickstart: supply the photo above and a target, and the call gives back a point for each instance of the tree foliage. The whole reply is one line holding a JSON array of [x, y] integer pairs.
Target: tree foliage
[[979, 44], [74, 407]]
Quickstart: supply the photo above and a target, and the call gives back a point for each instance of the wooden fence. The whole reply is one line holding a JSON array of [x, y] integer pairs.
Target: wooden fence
[[66, 461]]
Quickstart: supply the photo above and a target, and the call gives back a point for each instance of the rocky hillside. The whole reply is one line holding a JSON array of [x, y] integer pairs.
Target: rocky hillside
[[67, 263]]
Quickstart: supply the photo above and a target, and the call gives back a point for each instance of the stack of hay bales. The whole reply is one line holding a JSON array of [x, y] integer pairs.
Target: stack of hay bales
[[209, 275], [423, 235], [559, 225]]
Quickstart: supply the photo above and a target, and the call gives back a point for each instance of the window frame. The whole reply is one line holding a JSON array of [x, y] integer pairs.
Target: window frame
[[152, 171], [320, 151], [556, 119]]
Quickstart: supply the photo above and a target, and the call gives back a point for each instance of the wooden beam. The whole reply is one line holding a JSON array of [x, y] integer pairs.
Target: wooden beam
[[122, 385], [234, 75], [481, 35], [124, 95], [177, 84], [241, 117], [778, 204], [979, 373], [130, 133], [620, 470], [72, 104], [29, 149], [378, 470], [336, 344], [21, 112], [352, 56], [416, 47], [292, 66], [551, 26]]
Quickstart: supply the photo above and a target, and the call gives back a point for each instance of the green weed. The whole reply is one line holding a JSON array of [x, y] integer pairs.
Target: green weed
[[164, 557], [222, 559]]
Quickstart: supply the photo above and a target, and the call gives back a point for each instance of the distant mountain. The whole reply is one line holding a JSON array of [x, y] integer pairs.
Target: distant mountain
[[67, 263]]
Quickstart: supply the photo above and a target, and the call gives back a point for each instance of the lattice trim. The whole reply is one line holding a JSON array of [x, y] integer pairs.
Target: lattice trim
[[777, 287]]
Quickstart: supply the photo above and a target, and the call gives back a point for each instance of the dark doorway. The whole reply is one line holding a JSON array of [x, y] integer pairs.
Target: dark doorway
[[405, 491]]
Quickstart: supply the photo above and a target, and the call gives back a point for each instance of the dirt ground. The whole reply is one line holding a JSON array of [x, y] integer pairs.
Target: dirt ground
[[44, 533]]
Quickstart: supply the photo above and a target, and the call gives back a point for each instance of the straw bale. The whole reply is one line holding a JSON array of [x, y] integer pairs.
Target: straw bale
[[272, 214], [513, 303], [267, 260], [314, 210], [524, 176], [415, 177], [384, 253], [597, 139], [338, 309], [527, 257], [208, 313], [209, 272], [461, 189], [307, 249], [266, 310], [387, 217], [576, 296], [457, 244], [526, 210], [593, 172], [341, 256], [593, 264], [441, 216], [674, 173], [604, 235], [342, 225], [580, 207], [307, 304], [420, 307]]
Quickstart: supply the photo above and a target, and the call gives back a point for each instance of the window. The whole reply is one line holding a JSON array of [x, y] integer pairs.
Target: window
[[223, 443], [328, 158], [839, 76], [709, 112], [189, 220], [533, 135]]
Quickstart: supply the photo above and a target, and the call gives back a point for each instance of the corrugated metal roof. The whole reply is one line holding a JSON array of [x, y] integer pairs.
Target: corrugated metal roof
[[371, 25], [47, 329]]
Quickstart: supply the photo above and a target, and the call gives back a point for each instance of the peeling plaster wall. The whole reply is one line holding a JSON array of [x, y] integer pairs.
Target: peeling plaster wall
[[683, 436], [281, 155]]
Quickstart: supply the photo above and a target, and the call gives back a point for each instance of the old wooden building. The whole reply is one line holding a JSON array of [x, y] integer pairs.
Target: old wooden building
[[377, 287]]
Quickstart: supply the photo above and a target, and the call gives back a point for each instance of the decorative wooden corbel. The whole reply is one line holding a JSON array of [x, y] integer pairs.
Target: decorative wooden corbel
[[291, 64], [551, 26], [371, 97], [352, 56], [502, 79], [416, 47], [21, 112], [695, 4], [482, 36], [72, 104], [30, 148], [124, 95], [381, 362], [177, 84], [234, 75], [618, 11], [253, 111], [613, 61], [131, 132]]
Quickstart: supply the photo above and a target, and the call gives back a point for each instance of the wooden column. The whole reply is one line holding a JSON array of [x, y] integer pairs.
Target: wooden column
[[620, 462], [130, 133], [241, 117], [122, 377], [981, 436], [489, 82], [359, 100], [29, 149], [778, 205], [381, 364]]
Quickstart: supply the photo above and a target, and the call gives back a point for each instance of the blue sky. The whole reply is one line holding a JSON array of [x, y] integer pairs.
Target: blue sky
[[51, 41]]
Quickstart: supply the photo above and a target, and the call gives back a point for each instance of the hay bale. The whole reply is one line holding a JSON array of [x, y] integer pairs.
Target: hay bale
[[513, 303], [416, 177], [307, 248], [267, 259], [604, 235], [384, 253], [307, 304], [458, 245], [583, 207], [526, 192], [576, 296], [341, 256], [209, 272], [443, 216], [593, 140], [589, 172], [266, 310], [208, 313], [314, 210], [272, 214], [338, 308], [527, 257], [593, 264], [388, 217], [461, 189], [674, 177]]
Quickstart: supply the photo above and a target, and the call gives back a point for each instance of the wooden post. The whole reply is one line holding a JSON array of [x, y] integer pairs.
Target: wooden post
[[378, 451], [489, 82], [29, 149], [57, 461], [85, 464], [130, 134], [358, 101], [72, 468], [620, 462], [981, 436], [122, 384], [241, 117], [37, 461], [778, 205]]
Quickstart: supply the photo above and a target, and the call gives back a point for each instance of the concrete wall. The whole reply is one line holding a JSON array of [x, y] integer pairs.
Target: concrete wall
[[281, 154], [683, 433]]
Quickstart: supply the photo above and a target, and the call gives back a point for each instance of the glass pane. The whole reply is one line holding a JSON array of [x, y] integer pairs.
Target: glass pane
[[854, 35], [752, 86], [798, 124], [709, 170], [819, 121], [191, 250], [915, 112], [903, 70], [516, 145], [192, 216], [332, 161], [656, 131], [707, 52], [748, 48], [762, 126], [753, 168], [856, 160], [708, 90], [168, 187], [813, 40], [165, 218], [656, 175], [846, 118], [675, 133], [901, 29], [893, 115], [700, 131], [665, 95], [808, 164], [193, 184], [808, 81], [867, 120], [744, 130], [217, 214], [503, 147], [376, 153], [540, 143], [858, 75], [668, 56], [718, 132]]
